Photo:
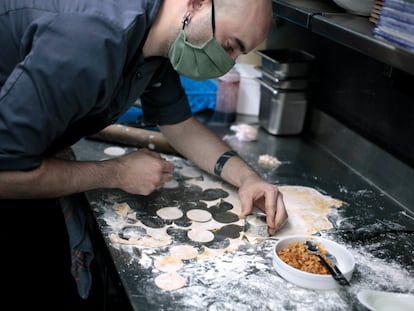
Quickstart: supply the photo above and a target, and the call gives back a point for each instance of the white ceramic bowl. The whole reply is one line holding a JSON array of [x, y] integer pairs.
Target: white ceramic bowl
[[384, 301], [346, 264], [358, 7]]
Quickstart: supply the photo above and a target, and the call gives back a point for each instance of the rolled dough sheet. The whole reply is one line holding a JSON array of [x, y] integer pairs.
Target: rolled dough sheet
[[307, 209]]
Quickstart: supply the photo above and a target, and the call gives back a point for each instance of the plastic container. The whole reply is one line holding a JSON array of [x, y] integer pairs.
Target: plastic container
[[201, 94], [248, 100], [227, 97]]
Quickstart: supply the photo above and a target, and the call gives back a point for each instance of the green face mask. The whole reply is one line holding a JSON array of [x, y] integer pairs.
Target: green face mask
[[199, 62]]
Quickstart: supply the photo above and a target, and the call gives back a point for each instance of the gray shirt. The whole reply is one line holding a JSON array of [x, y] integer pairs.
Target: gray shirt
[[70, 68]]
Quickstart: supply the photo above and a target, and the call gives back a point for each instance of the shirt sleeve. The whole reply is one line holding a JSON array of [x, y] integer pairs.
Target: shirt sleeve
[[164, 101], [66, 74]]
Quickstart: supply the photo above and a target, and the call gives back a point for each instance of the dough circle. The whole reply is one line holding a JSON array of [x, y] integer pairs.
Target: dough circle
[[114, 151], [202, 236], [170, 213], [199, 215], [172, 184], [168, 263], [190, 172], [184, 252], [170, 281]]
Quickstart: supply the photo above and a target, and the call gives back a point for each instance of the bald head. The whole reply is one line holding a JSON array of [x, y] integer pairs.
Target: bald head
[[240, 26], [249, 20], [261, 7]]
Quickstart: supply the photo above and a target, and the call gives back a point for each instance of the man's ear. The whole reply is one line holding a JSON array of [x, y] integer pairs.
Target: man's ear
[[195, 5]]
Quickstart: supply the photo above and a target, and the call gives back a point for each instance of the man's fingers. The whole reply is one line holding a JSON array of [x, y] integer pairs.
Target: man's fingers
[[270, 208], [246, 206], [271, 202], [280, 216], [167, 166]]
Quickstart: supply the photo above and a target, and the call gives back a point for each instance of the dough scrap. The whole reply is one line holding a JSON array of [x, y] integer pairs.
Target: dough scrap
[[147, 241], [184, 252], [122, 209], [170, 281], [170, 213], [211, 252], [168, 263], [268, 161], [244, 132]]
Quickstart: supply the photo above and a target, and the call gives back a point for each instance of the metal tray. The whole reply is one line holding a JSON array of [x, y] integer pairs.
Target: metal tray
[[286, 63], [281, 112], [282, 84]]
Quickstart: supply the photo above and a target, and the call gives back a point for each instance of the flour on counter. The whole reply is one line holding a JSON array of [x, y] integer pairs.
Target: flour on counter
[[240, 276], [229, 281], [255, 275]]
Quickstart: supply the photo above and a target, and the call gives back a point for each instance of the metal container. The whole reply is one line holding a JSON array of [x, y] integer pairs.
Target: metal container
[[255, 225], [282, 84], [281, 112], [286, 63]]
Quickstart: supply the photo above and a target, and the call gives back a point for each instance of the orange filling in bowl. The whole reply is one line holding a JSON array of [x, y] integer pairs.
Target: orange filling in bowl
[[297, 256]]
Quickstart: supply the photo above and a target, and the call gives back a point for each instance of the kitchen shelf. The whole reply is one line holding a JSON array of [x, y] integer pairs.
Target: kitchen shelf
[[301, 11], [325, 18]]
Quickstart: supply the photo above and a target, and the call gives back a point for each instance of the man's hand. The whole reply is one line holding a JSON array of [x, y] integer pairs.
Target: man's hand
[[256, 192], [143, 171]]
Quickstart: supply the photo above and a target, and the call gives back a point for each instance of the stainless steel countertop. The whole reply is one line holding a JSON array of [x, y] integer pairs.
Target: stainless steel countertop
[[378, 227]]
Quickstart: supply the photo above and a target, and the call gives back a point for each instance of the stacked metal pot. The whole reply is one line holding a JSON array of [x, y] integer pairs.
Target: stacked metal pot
[[283, 94]]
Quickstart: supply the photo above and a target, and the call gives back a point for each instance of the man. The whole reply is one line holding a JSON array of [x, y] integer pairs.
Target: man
[[70, 68]]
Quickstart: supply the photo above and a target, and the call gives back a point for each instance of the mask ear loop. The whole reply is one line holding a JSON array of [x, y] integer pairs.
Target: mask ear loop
[[213, 17], [186, 19]]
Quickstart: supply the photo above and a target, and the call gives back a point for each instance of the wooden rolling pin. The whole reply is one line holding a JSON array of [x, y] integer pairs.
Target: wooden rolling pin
[[136, 137]]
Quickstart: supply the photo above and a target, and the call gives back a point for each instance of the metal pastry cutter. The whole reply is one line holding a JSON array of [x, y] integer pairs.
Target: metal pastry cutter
[[255, 225]]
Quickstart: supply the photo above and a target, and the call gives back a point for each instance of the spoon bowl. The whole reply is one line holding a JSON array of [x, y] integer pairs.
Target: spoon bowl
[[380, 301], [313, 248]]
